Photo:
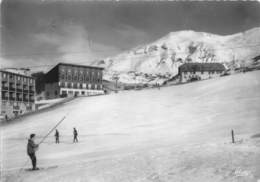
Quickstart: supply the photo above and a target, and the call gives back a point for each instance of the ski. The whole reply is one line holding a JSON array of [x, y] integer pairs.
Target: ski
[[40, 168]]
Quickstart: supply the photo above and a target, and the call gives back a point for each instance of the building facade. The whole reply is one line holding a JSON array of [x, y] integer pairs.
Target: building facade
[[73, 80], [17, 94], [199, 71]]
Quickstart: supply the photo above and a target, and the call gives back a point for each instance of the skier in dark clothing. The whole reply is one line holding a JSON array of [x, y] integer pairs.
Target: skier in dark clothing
[[57, 136], [75, 134], [31, 149]]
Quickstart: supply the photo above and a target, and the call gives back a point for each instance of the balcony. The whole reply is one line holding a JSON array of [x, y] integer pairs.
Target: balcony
[[4, 87], [19, 89], [4, 97], [11, 88], [25, 100], [31, 91], [12, 98], [25, 90]]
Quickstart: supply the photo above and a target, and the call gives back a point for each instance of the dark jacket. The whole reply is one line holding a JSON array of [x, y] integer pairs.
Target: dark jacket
[[31, 147], [57, 134], [75, 133]]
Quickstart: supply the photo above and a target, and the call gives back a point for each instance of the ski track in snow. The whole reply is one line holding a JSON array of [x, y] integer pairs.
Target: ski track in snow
[[178, 133]]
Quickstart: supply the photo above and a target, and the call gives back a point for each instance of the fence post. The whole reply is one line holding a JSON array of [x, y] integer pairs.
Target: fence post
[[232, 135]]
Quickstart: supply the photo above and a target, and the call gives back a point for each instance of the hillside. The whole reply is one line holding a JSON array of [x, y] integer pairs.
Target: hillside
[[162, 58], [178, 133]]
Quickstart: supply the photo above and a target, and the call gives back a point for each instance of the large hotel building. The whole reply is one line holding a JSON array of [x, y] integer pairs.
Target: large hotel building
[[73, 80], [17, 94]]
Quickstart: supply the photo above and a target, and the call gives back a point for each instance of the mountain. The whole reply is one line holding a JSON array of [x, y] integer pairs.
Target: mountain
[[160, 60]]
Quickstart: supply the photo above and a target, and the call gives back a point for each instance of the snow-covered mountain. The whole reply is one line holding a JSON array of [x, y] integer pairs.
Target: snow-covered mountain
[[162, 58]]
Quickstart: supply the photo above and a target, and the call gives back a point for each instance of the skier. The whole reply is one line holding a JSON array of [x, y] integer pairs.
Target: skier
[[57, 136], [31, 149], [75, 134]]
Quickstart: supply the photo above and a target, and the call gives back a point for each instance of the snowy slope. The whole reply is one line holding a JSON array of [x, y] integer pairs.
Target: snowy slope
[[168, 53], [178, 133]]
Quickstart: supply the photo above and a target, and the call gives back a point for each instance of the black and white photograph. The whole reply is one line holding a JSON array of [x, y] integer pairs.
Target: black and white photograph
[[129, 91]]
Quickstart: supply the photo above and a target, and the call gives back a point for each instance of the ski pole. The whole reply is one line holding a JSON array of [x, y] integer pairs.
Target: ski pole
[[52, 130]]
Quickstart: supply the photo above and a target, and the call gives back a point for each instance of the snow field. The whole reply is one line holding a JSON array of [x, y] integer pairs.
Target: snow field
[[178, 133]]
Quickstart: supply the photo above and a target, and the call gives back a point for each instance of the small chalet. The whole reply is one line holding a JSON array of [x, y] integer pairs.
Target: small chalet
[[200, 71]]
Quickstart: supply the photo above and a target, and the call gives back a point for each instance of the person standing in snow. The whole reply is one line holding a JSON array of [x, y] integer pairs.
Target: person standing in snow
[[75, 134], [57, 136], [31, 149]]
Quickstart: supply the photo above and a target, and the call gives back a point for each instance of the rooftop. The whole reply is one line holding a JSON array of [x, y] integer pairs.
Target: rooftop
[[16, 73], [78, 65]]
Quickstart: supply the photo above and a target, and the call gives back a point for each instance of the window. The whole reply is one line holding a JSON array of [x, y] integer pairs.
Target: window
[[86, 78], [47, 94], [56, 92], [80, 78], [4, 75], [62, 76], [63, 92]]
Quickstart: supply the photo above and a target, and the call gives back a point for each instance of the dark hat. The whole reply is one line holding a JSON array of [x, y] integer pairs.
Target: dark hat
[[32, 135]]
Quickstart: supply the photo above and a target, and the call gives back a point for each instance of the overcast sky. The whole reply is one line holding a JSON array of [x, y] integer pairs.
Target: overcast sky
[[46, 32]]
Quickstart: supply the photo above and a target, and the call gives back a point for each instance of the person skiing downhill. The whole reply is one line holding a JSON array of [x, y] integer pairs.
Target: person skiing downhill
[[31, 149], [75, 134], [57, 136]]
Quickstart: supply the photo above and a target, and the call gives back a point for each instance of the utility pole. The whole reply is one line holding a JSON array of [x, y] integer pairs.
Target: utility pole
[[116, 78], [116, 84]]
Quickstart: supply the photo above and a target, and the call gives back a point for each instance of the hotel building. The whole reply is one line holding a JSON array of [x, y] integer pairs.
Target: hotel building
[[17, 94], [73, 80]]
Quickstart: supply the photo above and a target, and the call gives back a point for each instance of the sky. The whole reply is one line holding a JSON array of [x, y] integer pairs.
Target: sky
[[36, 33]]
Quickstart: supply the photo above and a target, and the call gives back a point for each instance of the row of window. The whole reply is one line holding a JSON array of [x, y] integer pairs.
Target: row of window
[[202, 72], [17, 96], [86, 78], [17, 87], [81, 86], [81, 71], [18, 78], [76, 93], [16, 104]]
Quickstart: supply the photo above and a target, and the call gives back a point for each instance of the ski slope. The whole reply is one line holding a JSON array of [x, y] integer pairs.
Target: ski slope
[[177, 133]]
